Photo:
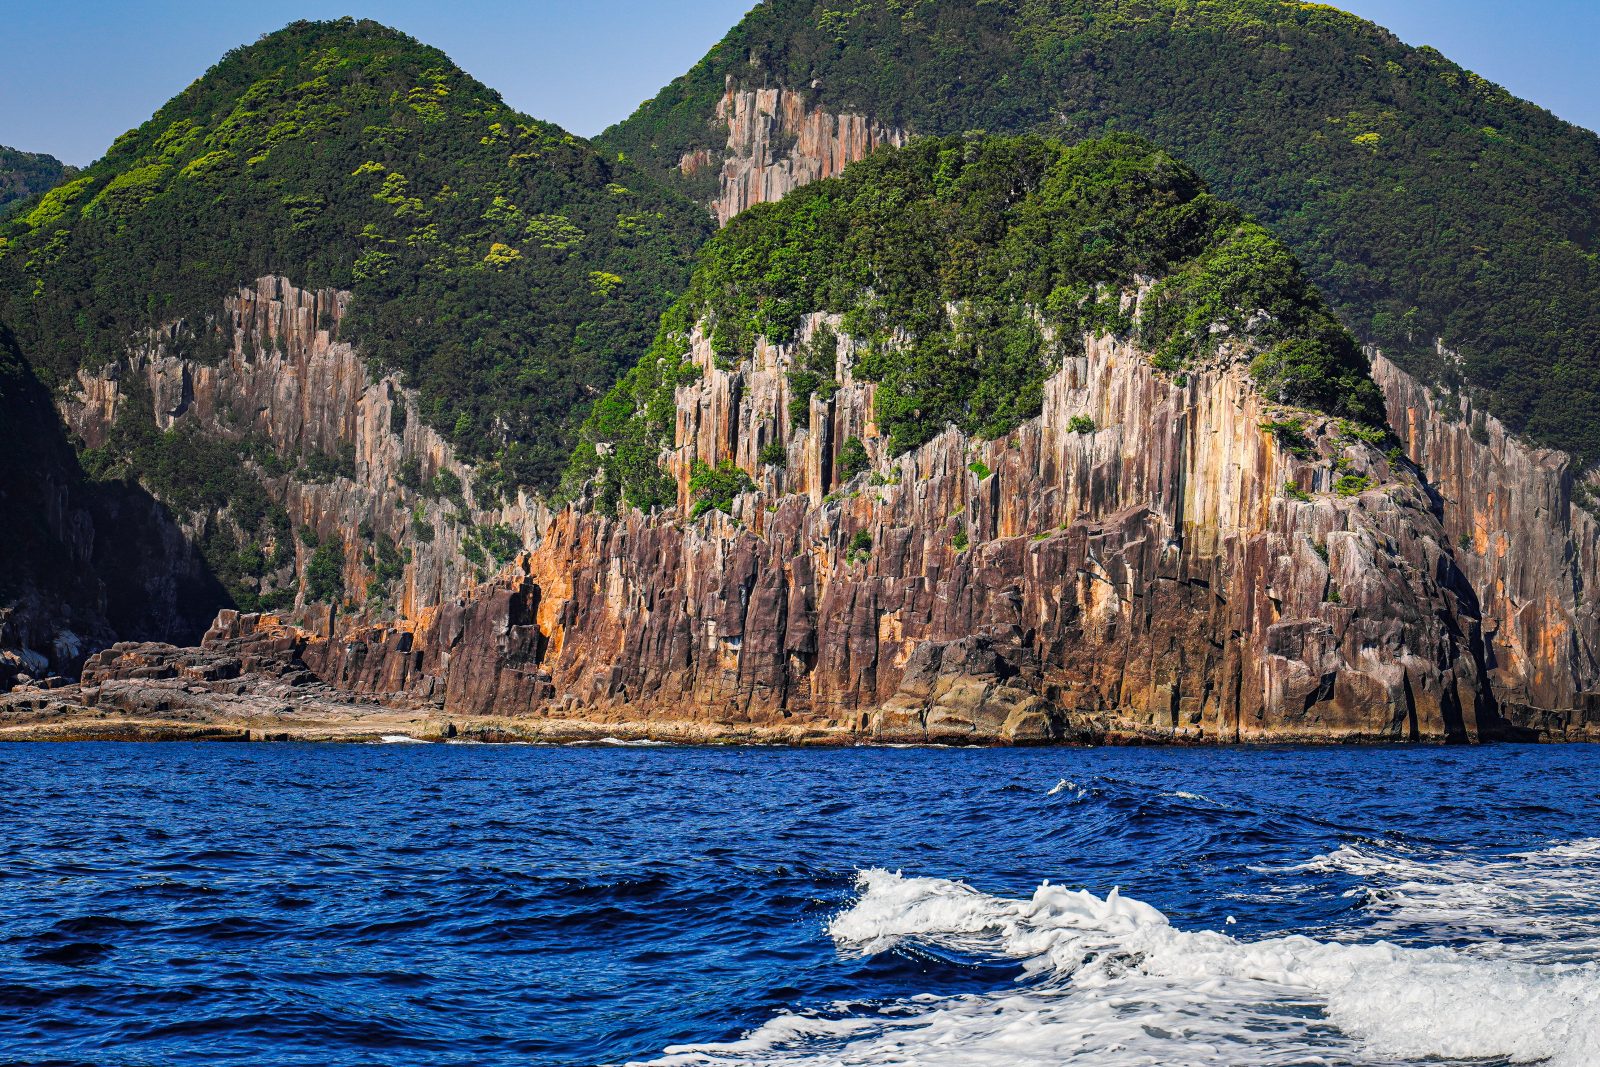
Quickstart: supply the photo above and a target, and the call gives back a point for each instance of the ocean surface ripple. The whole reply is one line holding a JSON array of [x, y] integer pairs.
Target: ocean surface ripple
[[579, 906]]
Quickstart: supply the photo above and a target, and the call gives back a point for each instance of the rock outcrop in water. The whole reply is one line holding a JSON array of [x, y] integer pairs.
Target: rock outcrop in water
[[1152, 579]]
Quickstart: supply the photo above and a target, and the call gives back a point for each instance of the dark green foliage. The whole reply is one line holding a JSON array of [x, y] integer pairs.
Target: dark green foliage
[[1080, 424], [773, 454], [26, 174], [325, 573], [714, 488], [946, 259], [410, 474], [960, 541], [320, 467], [446, 485], [421, 528], [813, 373], [505, 267], [1290, 434], [853, 459], [1425, 201], [242, 535], [388, 565], [1352, 484], [860, 547], [631, 422]]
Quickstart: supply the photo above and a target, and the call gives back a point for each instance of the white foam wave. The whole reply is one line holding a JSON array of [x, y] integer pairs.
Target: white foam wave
[[1109, 981], [1073, 790], [1541, 905], [401, 739]]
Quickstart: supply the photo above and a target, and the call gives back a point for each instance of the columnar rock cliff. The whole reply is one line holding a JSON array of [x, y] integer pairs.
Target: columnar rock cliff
[[777, 142], [1525, 539], [286, 381], [1174, 574], [1151, 579]]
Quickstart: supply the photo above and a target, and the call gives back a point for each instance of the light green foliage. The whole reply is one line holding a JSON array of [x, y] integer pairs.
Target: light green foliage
[[501, 256], [853, 459], [1372, 435], [54, 204], [553, 231], [980, 468], [1352, 484], [952, 261], [960, 541], [714, 488], [1294, 492], [346, 154]]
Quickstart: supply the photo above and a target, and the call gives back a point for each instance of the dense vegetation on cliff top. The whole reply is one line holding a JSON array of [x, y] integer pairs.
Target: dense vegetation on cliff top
[[503, 265], [25, 174], [1425, 201], [966, 268]]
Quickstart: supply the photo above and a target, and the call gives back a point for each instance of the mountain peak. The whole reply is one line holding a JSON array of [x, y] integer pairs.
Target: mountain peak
[[347, 154], [1449, 222]]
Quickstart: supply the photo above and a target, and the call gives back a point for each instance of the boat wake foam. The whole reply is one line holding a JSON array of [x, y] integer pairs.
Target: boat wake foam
[[1110, 981], [1542, 905]]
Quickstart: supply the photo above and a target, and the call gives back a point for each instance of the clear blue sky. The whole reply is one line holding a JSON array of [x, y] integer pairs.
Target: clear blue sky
[[79, 72]]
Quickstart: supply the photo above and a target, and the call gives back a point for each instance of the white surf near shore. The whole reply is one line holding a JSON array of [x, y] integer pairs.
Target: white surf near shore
[[1110, 982]]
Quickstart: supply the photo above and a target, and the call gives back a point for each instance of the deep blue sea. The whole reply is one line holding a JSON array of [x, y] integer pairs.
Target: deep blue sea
[[518, 905]]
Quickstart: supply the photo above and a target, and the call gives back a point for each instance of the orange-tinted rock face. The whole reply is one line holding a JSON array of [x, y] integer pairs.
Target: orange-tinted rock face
[[1151, 579]]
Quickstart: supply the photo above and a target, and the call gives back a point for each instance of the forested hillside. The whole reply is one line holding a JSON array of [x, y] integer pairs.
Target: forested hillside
[[967, 268], [508, 269], [1425, 201], [25, 174]]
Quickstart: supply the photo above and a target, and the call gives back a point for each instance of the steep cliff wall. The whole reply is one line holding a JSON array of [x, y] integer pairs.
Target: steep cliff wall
[[285, 381], [777, 142], [1523, 538], [1154, 578]]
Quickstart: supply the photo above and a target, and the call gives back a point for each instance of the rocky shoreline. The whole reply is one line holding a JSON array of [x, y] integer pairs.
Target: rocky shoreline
[[251, 681]]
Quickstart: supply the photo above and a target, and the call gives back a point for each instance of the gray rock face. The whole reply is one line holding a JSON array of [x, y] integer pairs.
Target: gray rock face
[[1528, 547], [777, 143], [287, 381]]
